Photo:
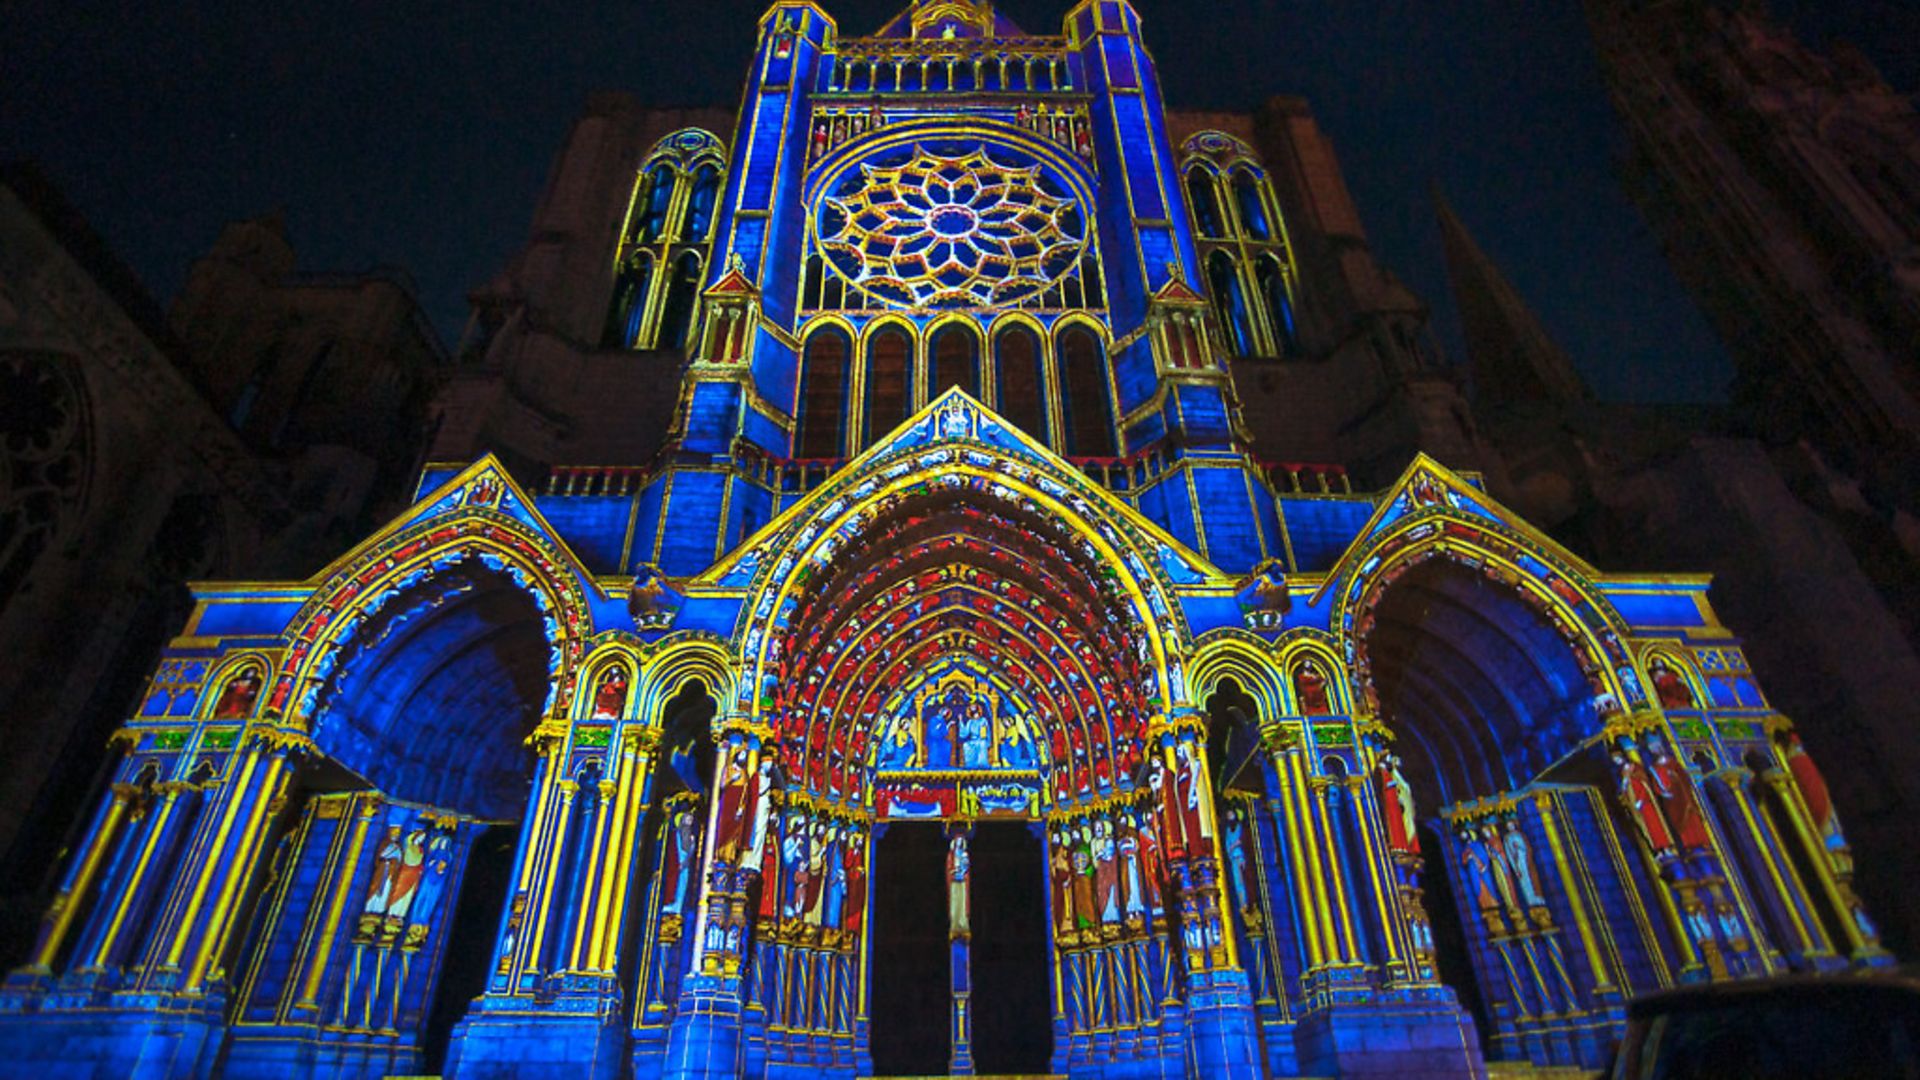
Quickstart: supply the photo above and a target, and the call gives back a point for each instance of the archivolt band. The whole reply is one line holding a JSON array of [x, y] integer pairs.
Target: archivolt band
[[457, 803]]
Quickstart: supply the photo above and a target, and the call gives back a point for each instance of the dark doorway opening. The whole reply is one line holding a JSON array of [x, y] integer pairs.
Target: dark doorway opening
[[1012, 1013], [1452, 950], [912, 1004], [469, 949]]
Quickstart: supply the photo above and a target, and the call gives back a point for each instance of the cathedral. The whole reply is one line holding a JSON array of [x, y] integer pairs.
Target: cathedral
[[870, 609]]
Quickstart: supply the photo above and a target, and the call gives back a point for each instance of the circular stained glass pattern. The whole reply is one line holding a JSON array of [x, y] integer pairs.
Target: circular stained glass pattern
[[958, 229]]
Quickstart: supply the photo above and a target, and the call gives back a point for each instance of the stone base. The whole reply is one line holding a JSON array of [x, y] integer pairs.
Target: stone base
[[1223, 1034], [142, 1043], [275, 1053], [705, 1041], [506, 1041], [1413, 1035]]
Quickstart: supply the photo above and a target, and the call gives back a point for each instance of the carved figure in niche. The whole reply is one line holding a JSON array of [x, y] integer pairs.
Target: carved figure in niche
[[610, 696], [1478, 869], [1133, 898], [386, 866], [1106, 875], [1083, 142], [906, 749], [237, 697], [1813, 790], [1060, 873], [1677, 798], [976, 737], [433, 881], [1150, 870], [686, 856], [1396, 806], [1310, 689], [729, 824], [876, 116], [1502, 868], [836, 886], [816, 872], [1083, 913], [1520, 858], [856, 871], [821, 138], [793, 852], [1669, 686], [1424, 491], [762, 806], [957, 866], [1234, 842], [406, 876], [783, 45], [1193, 823], [1641, 797], [1023, 115]]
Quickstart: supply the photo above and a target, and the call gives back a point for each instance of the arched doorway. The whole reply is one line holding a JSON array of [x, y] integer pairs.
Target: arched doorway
[[1493, 705], [960, 669], [403, 839]]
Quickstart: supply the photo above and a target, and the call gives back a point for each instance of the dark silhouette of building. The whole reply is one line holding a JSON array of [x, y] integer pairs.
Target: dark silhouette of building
[[243, 433]]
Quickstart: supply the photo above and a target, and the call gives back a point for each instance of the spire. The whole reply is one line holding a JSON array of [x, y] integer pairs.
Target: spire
[[1513, 358]]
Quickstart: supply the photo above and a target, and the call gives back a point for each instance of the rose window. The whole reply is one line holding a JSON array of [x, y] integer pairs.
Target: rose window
[[959, 231]]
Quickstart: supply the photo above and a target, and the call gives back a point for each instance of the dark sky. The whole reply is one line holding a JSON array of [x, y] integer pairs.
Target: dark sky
[[418, 133]]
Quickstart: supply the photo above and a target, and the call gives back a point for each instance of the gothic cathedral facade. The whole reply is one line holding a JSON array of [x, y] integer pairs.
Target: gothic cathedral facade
[[954, 693]]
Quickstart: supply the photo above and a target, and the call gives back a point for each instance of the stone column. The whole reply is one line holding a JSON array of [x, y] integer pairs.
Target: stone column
[[1224, 1034], [705, 1039], [103, 837], [960, 937], [229, 842]]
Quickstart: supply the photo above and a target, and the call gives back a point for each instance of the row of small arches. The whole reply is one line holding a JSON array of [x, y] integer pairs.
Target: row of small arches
[[1052, 386]]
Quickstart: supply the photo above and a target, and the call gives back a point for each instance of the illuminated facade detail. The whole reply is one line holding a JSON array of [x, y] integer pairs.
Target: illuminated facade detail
[[666, 242], [1243, 240], [960, 231], [877, 731]]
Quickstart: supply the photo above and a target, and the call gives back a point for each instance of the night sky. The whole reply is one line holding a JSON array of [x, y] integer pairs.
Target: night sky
[[419, 133]]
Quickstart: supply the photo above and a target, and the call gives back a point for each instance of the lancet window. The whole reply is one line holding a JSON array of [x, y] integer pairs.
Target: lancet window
[[1243, 244], [1020, 381], [665, 243], [823, 394], [1088, 403], [889, 380]]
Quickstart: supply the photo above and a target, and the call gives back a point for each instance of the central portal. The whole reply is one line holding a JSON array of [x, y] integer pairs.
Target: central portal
[[914, 953]]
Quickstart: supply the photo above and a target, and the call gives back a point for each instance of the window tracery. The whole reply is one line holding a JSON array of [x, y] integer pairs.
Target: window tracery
[[954, 226], [667, 236], [1243, 245]]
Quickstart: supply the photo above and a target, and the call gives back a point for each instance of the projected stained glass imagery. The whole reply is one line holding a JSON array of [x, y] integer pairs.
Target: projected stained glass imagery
[[960, 230]]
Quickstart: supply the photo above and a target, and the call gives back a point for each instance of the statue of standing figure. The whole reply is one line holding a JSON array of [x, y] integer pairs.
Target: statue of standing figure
[[957, 866]]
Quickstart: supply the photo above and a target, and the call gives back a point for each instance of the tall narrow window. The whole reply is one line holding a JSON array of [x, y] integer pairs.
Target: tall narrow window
[[889, 381], [1253, 210], [823, 394], [956, 360], [1273, 291], [1089, 408], [1021, 383], [653, 214], [1229, 302], [676, 315], [629, 303], [706, 191], [1206, 208]]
